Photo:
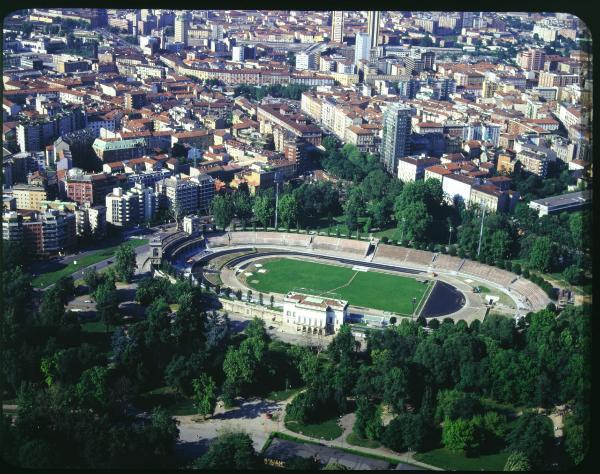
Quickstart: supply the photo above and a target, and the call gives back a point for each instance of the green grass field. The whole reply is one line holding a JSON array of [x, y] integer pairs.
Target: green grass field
[[46, 279], [168, 399], [370, 289], [458, 462], [355, 440], [328, 429]]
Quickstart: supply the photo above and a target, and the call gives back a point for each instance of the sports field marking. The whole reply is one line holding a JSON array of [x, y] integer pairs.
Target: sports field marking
[[360, 268], [373, 289], [343, 286]]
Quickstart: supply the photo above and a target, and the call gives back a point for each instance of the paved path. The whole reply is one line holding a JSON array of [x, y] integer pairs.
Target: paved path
[[195, 435]]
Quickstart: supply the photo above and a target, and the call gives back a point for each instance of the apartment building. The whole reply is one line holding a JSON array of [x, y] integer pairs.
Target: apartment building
[[534, 162], [137, 205], [29, 196], [36, 133], [92, 188], [412, 168], [179, 193], [90, 220]]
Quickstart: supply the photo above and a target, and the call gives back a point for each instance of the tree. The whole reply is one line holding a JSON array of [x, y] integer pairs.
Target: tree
[[91, 278], [542, 254], [223, 210], [52, 309], [499, 246], [288, 210], [533, 435], [13, 255], [125, 262], [263, 209], [176, 212], [573, 274], [343, 344], [230, 451], [107, 304], [205, 397], [460, 436], [408, 431], [517, 461], [354, 208], [576, 437], [243, 205], [413, 220], [92, 390], [160, 439], [368, 419]]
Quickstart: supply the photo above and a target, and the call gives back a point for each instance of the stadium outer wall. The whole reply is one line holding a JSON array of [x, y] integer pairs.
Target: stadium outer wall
[[526, 295]]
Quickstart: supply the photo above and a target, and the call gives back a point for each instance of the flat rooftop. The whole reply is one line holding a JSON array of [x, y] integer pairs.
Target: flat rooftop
[[566, 200]]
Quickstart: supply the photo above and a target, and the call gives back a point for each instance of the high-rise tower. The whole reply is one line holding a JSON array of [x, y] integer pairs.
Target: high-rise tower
[[373, 27], [362, 47], [395, 143], [337, 26], [181, 27]]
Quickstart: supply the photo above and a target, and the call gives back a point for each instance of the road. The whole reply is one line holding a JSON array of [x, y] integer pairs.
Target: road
[[120, 42], [240, 321], [99, 265]]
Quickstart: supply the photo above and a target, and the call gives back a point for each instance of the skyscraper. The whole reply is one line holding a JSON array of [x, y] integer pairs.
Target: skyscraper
[[99, 18], [373, 27], [181, 27], [337, 26], [362, 48], [396, 134]]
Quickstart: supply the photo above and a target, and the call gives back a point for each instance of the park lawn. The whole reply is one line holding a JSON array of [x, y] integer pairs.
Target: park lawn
[[167, 398], [445, 459], [280, 395], [46, 279], [356, 440], [328, 429], [94, 326], [370, 289]]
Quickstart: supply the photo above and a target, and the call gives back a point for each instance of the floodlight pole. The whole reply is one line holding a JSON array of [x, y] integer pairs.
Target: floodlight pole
[[481, 232], [276, 201]]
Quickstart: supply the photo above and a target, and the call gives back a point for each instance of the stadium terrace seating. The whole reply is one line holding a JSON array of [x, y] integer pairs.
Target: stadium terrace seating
[[242, 238], [326, 243], [356, 247], [218, 241], [501, 277], [296, 240], [446, 262], [269, 238], [476, 269], [390, 254], [419, 257], [529, 290]]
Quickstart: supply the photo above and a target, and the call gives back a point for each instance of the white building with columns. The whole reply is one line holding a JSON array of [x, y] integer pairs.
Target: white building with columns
[[313, 314]]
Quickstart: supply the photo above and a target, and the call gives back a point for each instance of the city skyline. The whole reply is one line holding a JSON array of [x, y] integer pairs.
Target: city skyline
[[334, 239]]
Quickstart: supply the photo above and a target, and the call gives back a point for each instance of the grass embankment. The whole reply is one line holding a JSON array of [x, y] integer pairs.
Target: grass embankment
[[370, 289], [355, 440], [49, 278], [281, 395], [328, 429], [445, 459], [168, 399]]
